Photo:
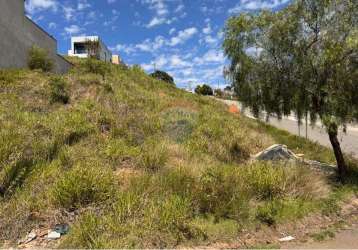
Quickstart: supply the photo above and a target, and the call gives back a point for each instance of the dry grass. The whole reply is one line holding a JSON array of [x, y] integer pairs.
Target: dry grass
[[151, 170]]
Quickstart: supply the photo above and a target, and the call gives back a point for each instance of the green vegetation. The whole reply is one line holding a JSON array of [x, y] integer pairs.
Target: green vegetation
[[305, 62], [164, 76], [39, 59], [58, 90], [133, 162], [204, 90]]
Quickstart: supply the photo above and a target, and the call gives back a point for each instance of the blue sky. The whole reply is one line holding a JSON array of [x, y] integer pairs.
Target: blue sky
[[182, 37]]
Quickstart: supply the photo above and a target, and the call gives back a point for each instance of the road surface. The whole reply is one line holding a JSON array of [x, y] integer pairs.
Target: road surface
[[349, 140]]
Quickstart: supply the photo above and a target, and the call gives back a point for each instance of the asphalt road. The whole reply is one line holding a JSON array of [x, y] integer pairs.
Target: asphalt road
[[349, 140]]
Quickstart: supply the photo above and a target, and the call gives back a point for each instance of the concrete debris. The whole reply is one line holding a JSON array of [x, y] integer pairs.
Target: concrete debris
[[53, 235], [286, 239], [276, 152], [279, 152], [29, 237], [62, 228]]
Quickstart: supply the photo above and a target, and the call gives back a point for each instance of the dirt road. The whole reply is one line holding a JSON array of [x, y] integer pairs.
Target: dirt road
[[345, 239]]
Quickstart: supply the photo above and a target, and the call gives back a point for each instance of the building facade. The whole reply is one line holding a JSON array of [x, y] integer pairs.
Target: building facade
[[79, 48], [18, 34], [117, 60]]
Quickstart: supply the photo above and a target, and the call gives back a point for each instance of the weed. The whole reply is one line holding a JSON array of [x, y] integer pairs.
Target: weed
[[82, 186], [323, 235], [39, 59], [86, 233], [154, 155], [58, 91]]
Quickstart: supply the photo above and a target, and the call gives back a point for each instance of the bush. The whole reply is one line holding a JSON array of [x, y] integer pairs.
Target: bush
[[38, 59], [96, 67], [221, 193], [163, 76], [82, 186], [204, 90], [58, 91], [268, 212]]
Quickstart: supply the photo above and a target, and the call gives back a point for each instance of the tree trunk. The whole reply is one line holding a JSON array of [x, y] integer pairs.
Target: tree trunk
[[333, 137]]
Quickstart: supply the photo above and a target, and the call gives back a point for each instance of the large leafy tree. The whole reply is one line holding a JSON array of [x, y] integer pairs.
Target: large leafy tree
[[163, 76], [204, 90], [302, 59]]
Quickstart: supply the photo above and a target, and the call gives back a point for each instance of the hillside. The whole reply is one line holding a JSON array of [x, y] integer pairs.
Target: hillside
[[128, 161]]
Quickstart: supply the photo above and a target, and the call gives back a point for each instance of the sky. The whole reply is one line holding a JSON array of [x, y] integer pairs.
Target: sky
[[181, 37]]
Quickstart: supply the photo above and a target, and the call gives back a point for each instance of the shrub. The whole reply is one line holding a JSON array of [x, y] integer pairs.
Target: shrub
[[96, 67], [268, 212], [82, 186], [58, 91], [163, 76], [38, 59], [86, 233], [221, 193], [154, 155], [204, 90]]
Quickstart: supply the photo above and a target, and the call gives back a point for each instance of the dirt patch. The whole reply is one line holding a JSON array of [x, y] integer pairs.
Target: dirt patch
[[302, 230]]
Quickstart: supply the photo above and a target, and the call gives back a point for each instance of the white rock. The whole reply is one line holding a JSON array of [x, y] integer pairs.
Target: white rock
[[276, 152], [287, 238], [53, 235]]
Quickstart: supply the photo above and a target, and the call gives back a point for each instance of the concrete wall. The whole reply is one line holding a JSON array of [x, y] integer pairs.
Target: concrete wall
[[18, 34]]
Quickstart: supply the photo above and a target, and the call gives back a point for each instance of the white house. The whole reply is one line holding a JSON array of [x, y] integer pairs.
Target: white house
[[78, 48]]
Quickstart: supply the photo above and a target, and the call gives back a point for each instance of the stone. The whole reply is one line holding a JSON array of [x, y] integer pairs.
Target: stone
[[276, 152], [53, 235], [62, 228], [287, 238], [279, 152]]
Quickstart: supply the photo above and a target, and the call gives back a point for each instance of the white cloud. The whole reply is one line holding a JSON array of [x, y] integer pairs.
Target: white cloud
[[179, 8], [111, 1], [83, 4], [171, 31], [207, 30], [183, 36], [253, 5], [37, 5], [156, 21], [69, 12], [73, 29], [52, 25]]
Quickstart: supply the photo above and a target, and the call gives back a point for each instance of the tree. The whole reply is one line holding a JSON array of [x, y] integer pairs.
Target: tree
[[219, 93], [204, 90], [302, 59], [93, 48], [163, 76]]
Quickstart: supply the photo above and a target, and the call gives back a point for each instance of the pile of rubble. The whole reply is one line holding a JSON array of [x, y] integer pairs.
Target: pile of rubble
[[42, 237], [279, 152]]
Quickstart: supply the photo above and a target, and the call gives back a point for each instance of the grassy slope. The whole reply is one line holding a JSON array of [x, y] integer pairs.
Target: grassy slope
[[134, 162]]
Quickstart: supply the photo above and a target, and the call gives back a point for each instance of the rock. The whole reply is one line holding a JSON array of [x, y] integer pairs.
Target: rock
[[62, 228], [53, 235], [276, 152], [287, 238], [29, 237], [280, 152]]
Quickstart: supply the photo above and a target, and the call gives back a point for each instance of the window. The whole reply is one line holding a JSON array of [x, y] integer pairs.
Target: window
[[80, 48]]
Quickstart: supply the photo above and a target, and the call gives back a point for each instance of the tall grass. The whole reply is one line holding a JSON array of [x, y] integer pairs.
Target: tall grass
[[146, 165]]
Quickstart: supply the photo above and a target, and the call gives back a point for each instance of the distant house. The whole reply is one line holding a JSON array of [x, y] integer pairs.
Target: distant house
[[18, 34], [117, 60], [79, 48]]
